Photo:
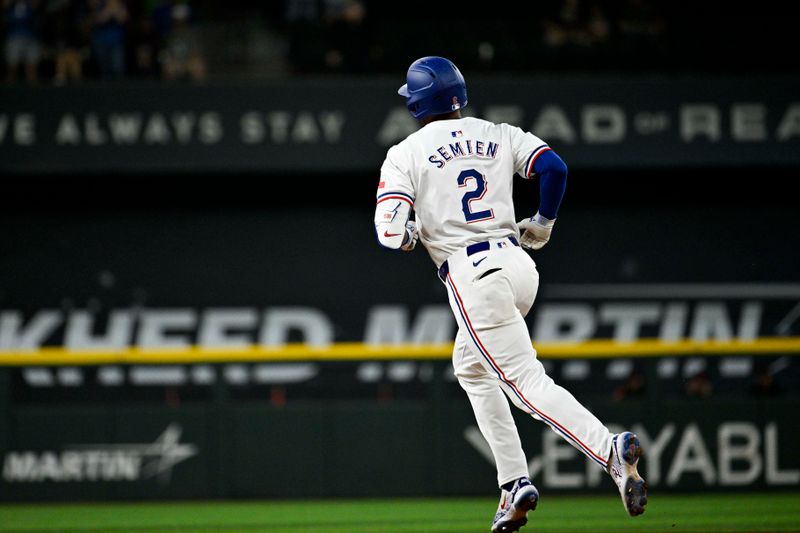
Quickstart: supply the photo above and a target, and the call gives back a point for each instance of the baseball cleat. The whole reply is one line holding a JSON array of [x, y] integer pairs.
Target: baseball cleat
[[625, 453], [512, 513]]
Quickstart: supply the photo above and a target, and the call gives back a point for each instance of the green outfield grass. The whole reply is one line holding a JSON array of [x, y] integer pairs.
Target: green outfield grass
[[665, 513]]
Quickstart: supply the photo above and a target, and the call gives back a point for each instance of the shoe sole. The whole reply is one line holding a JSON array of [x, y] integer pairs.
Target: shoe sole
[[515, 524], [635, 497]]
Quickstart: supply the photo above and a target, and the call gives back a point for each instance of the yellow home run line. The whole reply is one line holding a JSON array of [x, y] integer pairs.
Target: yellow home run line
[[357, 351]]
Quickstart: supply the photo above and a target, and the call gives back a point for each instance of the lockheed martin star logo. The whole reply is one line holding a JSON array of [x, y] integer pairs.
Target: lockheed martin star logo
[[166, 452]]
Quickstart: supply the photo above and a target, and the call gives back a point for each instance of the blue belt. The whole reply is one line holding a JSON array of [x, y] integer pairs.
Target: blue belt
[[471, 250]]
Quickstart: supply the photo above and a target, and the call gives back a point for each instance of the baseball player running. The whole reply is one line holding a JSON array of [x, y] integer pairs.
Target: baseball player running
[[456, 174]]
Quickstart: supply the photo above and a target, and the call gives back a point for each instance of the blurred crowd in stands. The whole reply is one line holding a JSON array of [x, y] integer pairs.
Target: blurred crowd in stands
[[63, 41], [67, 41], [700, 382]]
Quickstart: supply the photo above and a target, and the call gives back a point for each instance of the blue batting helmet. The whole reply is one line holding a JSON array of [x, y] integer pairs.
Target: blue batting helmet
[[434, 86]]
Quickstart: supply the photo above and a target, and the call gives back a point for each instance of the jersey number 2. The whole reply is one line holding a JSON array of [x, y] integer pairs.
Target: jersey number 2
[[471, 196]]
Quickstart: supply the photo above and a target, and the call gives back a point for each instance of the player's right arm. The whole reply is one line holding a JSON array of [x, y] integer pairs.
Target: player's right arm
[[392, 226], [394, 203]]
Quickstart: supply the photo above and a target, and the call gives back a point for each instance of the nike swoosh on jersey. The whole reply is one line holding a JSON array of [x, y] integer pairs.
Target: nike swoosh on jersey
[[478, 262], [387, 234]]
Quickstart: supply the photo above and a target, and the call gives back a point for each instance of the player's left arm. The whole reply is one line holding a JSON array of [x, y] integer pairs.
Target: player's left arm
[[552, 173]]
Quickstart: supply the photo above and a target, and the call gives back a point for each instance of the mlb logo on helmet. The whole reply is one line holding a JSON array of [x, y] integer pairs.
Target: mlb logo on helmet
[[455, 105]]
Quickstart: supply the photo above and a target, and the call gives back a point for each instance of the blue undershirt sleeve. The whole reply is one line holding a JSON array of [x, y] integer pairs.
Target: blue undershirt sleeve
[[552, 173]]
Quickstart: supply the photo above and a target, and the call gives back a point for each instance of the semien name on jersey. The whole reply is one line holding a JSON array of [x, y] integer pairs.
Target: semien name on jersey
[[464, 148]]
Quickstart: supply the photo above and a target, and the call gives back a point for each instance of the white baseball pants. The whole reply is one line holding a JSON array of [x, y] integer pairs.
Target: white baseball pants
[[493, 355]]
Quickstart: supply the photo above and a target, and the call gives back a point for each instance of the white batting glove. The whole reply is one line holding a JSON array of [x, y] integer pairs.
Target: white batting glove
[[535, 231], [412, 235]]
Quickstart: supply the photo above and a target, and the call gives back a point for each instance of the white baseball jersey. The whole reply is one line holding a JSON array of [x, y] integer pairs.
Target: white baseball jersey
[[457, 175]]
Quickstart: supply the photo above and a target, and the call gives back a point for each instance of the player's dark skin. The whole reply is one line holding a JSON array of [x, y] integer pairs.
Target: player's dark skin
[[448, 116]]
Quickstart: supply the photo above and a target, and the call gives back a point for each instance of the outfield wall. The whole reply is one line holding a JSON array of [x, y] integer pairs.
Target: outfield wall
[[204, 354]]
